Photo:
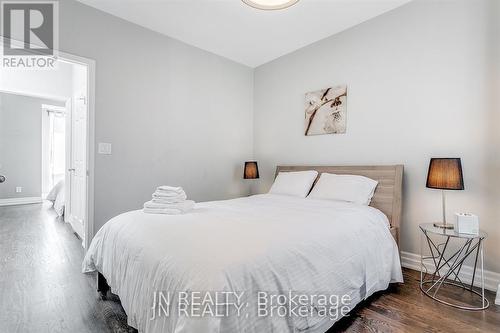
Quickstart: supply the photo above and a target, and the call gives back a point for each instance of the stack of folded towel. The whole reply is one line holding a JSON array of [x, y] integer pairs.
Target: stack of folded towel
[[168, 200]]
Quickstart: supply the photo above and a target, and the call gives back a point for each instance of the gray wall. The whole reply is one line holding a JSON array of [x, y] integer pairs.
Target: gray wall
[[20, 144], [175, 114], [422, 82]]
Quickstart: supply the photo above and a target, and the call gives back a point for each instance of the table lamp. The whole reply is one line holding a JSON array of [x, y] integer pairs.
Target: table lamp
[[445, 174], [251, 170]]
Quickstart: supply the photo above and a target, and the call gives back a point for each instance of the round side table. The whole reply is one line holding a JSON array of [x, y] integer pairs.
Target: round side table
[[446, 266]]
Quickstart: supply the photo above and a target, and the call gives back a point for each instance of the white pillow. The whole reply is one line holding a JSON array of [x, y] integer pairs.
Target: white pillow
[[351, 188], [295, 183]]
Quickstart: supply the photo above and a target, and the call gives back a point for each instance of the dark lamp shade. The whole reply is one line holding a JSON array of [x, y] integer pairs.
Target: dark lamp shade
[[251, 170], [445, 174]]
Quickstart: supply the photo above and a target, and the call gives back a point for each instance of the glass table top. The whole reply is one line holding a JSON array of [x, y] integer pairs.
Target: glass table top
[[430, 228]]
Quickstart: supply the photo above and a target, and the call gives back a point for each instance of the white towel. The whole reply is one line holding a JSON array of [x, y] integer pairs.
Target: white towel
[[171, 195], [169, 189], [151, 207], [168, 200]]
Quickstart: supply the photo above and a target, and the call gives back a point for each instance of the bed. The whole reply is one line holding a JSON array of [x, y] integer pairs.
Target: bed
[[253, 249]]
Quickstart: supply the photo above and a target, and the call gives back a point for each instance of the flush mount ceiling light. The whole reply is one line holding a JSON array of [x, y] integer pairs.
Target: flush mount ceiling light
[[270, 4]]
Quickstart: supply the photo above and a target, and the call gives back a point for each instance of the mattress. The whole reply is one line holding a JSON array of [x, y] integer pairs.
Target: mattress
[[264, 251]]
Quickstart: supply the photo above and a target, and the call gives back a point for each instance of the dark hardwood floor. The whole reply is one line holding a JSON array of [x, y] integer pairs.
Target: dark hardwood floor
[[404, 308], [42, 289]]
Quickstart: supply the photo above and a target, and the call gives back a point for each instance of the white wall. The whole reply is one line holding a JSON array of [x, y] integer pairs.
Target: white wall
[[56, 84], [48, 83], [420, 84], [20, 145], [175, 114]]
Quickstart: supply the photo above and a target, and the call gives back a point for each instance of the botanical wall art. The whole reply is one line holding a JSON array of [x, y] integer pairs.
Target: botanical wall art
[[326, 111]]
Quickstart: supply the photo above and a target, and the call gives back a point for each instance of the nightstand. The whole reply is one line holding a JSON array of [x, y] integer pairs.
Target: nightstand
[[447, 252]]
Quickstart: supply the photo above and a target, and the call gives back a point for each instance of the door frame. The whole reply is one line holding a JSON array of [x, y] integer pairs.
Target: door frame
[[90, 140]]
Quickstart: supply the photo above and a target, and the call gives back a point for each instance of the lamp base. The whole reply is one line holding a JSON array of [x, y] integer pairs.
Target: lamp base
[[443, 225]]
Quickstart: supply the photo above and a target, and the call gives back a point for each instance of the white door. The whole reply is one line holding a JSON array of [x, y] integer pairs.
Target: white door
[[77, 167]]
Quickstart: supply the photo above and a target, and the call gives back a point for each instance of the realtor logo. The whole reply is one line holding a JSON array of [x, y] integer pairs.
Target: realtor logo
[[30, 31]]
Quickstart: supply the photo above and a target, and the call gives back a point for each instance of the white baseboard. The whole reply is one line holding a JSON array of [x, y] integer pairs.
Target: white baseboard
[[20, 201], [491, 279]]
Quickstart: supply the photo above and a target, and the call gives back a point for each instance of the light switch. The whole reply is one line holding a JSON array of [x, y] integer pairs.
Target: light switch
[[104, 148]]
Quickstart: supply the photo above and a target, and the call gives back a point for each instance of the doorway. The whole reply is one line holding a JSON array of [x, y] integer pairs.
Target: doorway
[[53, 147], [65, 141]]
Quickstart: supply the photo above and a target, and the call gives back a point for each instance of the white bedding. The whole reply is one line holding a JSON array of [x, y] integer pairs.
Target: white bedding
[[57, 196], [265, 242]]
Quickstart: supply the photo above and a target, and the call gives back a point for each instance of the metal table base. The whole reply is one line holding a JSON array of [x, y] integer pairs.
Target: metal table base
[[446, 267]]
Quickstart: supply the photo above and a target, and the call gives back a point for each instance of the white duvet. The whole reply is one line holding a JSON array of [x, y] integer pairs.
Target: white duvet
[[263, 243]]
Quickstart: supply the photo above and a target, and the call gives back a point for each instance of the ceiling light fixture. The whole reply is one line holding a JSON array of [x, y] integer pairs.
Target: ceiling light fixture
[[270, 4]]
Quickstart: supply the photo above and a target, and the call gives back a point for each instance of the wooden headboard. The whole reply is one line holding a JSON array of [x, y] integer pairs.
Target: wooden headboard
[[388, 193]]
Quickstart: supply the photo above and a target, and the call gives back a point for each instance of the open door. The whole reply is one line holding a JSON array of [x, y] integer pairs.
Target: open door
[[76, 177]]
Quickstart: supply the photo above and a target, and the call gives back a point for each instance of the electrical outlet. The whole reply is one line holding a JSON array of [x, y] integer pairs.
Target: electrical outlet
[[104, 148], [19, 189]]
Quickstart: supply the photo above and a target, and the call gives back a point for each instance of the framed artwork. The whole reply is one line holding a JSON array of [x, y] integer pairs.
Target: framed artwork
[[326, 111]]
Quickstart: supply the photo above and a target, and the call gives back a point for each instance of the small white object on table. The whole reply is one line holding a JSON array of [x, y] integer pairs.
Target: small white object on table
[[466, 223]]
